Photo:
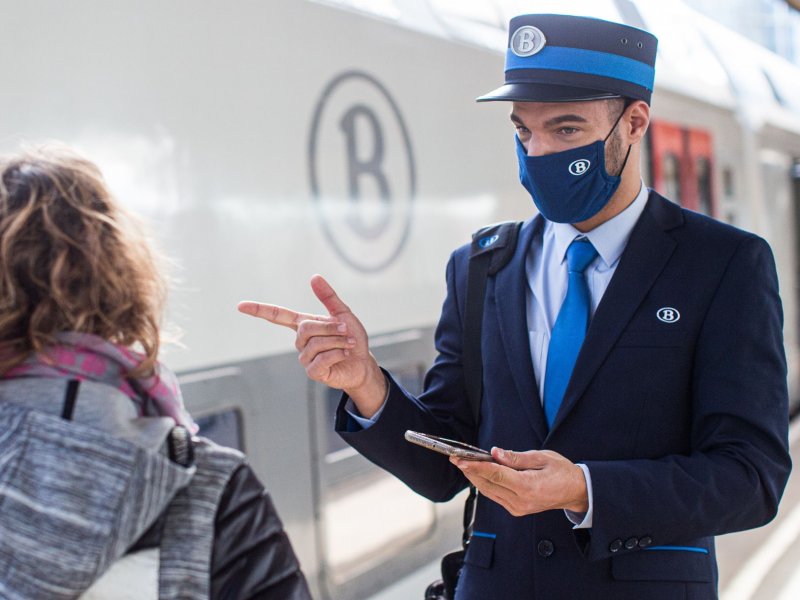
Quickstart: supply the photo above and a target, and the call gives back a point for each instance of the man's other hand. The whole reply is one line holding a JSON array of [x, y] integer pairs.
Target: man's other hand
[[530, 482]]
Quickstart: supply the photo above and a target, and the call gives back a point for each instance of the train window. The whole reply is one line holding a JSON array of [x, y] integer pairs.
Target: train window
[[409, 377], [703, 169], [727, 182], [224, 428], [334, 443], [672, 177]]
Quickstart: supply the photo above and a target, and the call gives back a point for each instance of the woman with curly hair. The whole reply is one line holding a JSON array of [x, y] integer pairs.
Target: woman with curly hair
[[104, 493]]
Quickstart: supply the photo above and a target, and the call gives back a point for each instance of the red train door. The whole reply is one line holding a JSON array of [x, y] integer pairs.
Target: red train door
[[682, 165]]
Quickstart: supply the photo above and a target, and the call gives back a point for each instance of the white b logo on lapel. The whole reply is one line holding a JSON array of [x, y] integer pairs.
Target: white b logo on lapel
[[668, 314]]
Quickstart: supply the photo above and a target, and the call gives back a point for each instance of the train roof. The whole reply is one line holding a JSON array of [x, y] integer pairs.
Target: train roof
[[697, 57]]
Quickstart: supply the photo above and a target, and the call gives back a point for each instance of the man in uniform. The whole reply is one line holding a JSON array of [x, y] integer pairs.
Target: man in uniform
[[634, 379]]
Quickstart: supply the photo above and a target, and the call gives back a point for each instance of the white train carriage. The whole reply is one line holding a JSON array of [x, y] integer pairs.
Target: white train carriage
[[266, 141]]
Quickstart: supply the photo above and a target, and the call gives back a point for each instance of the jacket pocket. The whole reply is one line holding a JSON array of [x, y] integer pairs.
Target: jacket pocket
[[480, 551], [663, 563]]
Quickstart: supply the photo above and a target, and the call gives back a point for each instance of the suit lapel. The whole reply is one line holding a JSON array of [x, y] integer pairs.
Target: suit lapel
[[510, 296], [645, 256]]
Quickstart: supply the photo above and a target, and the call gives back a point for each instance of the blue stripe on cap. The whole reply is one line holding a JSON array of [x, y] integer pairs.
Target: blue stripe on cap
[[592, 62]]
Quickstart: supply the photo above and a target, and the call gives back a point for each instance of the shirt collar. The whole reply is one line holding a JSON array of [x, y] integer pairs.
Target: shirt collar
[[609, 238]]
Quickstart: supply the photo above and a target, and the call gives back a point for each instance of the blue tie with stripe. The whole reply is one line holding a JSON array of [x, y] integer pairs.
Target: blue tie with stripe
[[569, 329]]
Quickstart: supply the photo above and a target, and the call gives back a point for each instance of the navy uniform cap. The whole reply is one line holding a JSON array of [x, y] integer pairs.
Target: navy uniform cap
[[562, 58]]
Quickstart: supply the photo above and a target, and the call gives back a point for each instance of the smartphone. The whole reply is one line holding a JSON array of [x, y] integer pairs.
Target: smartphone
[[448, 447]]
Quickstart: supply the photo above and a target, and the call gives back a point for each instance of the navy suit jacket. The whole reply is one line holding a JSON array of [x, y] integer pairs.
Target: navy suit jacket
[[683, 424]]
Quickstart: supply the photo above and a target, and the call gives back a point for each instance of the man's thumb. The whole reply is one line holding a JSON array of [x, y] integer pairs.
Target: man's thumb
[[326, 294], [518, 460]]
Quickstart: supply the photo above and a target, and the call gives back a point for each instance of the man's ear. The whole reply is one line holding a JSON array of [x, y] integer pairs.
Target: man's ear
[[636, 119]]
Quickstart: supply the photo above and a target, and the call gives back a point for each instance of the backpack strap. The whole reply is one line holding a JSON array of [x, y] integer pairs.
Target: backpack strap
[[70, 397], [492, 249]]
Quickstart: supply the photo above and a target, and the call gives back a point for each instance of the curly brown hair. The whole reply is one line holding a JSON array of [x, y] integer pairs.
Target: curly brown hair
[[72, 259]]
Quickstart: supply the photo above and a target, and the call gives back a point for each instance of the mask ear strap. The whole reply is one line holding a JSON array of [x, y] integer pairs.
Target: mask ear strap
[[625, 162], [619, 118]]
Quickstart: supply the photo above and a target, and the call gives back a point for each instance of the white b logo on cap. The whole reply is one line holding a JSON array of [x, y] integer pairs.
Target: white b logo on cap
[[527, 41]]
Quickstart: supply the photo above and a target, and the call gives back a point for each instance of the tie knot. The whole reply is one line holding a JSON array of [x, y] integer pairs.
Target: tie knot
[[579, 254]]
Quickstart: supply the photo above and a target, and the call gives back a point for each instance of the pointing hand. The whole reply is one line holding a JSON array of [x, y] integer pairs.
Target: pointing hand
[[333, 348]]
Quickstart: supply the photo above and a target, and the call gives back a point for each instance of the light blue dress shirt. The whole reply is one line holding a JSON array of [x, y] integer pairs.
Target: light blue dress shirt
[[546, 269]]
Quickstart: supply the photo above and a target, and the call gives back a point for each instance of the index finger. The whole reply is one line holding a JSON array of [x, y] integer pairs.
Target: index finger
[[279, 315]]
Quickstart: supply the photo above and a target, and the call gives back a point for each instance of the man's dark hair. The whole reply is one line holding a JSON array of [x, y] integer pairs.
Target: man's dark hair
[[616, 106]]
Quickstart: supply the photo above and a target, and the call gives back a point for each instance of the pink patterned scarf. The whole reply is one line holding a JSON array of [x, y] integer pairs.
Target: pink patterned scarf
[[84, 356]]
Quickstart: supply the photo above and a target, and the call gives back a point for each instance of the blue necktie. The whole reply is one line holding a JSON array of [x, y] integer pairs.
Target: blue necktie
[[569, 329]]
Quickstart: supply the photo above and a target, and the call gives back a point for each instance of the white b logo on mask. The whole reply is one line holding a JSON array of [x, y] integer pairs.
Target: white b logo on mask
[[579, 167]]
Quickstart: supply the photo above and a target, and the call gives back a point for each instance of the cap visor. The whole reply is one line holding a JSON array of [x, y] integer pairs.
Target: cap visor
[[542, 92]]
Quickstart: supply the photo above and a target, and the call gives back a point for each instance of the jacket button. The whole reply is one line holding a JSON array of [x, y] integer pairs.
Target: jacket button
[[615, 546], [645, 541], [631, 543], [546, 548]]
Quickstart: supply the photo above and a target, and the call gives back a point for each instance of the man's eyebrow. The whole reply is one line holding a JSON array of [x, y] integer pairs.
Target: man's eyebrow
[[565, 119], [554, 121]]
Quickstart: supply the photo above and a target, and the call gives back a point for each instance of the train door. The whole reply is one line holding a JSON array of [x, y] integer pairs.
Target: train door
[[371, 529], [681, 165]]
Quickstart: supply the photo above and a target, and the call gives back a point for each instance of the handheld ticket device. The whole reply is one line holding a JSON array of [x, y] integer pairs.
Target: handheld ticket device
[[448, 447]]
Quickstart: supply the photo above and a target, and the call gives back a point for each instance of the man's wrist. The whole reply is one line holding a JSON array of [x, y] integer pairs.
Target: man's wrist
[[580, 502], [369, 397]]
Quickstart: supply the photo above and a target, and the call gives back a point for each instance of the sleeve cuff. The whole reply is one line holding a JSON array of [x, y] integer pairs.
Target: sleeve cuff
[[350, 409], [583, 520]]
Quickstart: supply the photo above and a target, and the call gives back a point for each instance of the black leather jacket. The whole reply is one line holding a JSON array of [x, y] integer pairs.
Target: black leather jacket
[[252, 558]]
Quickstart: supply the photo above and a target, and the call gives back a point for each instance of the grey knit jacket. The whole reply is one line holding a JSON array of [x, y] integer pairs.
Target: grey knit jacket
[[76, 495]]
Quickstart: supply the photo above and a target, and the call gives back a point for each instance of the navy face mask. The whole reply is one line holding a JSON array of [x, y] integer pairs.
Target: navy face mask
[[569, 186]]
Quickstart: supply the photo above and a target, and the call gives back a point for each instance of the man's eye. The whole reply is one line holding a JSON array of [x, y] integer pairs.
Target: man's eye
[[521, 130], [568, 130]]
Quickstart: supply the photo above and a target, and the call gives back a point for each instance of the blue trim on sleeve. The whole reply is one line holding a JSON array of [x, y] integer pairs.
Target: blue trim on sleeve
[[590, 62], [484, 535], [679, 549]]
